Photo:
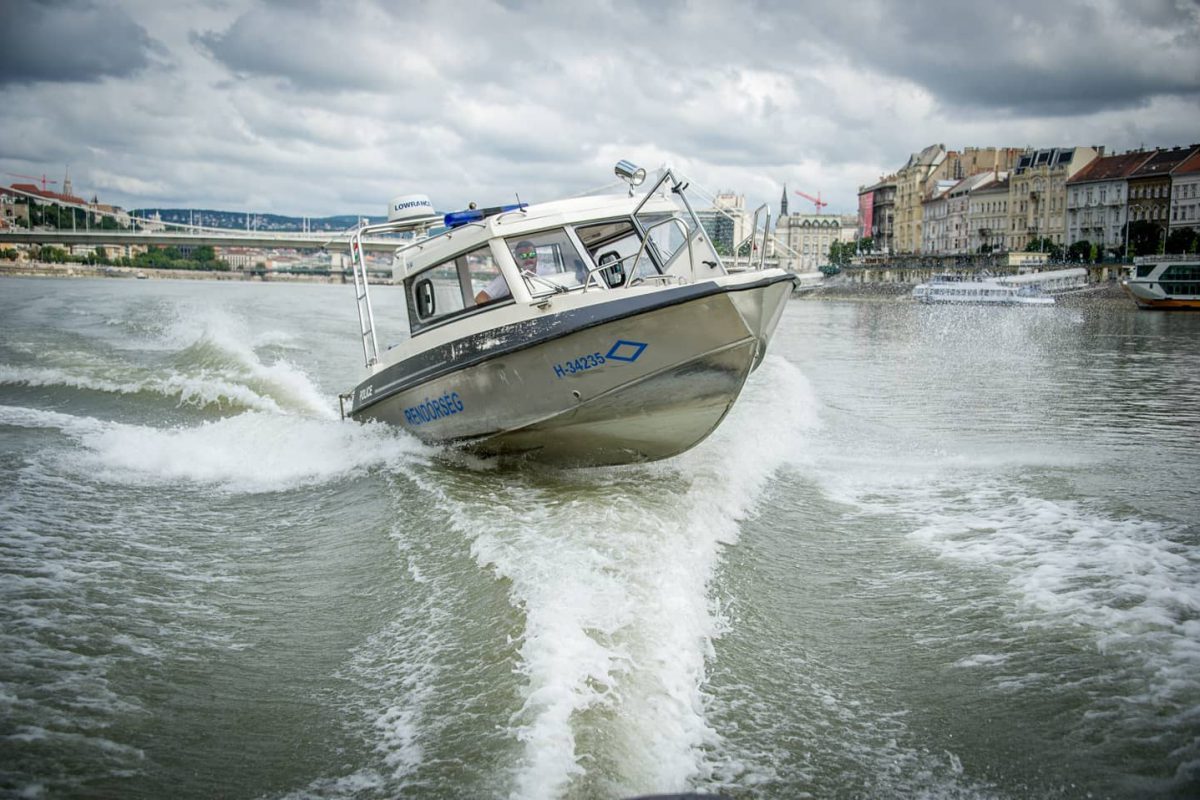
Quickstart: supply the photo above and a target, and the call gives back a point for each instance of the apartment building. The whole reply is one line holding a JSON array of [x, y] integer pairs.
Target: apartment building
[[1097, 200], [957, 239], [915, 182], [1037, 201], [987, 217], [878, 222], [912, 185], [933, 216], [1185, 194], [1150, 186]]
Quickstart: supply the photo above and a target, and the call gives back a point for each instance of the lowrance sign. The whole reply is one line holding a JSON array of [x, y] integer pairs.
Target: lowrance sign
[[410, 206]]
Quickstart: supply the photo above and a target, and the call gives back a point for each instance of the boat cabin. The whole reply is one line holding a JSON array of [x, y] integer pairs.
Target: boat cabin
[[524, 254]]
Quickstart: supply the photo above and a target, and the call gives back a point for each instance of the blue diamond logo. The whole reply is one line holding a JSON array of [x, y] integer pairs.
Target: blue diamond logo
[[625, 351]]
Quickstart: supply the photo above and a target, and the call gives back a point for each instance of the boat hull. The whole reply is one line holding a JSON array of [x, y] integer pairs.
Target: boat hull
[[641, 386], [1149, 295]]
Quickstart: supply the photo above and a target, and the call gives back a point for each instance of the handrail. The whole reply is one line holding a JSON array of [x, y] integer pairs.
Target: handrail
[[762, 250], [687, 237], [1166, 258], [358, 266], [366, 318], [750, 238]]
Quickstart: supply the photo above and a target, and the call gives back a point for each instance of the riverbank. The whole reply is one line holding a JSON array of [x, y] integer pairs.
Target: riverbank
[[39, 269], [883, 292], [831, 290]]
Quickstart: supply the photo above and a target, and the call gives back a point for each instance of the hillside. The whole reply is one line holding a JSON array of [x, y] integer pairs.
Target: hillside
[[210, 218]]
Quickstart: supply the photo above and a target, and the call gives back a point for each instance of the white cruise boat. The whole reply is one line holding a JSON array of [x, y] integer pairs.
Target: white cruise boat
[[590, 331], [988, 292], [1165, 283]]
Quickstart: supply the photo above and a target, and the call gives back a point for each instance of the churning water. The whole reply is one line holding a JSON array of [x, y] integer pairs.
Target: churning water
[[933, 552]]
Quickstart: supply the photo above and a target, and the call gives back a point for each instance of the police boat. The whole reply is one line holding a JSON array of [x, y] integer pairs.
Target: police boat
[[590, 331]]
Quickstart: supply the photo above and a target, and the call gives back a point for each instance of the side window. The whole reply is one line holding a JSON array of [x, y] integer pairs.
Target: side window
[[613, 245], [436, 293], [548, 261], [447, 291], [487, 284]]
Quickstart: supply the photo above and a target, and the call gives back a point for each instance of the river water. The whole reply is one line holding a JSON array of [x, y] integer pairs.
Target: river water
[[933, 552]]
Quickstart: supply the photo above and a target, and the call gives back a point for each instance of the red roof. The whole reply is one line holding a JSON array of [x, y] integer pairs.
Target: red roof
[[1163, 161], [1190, 166], [1108, 168], [29, 188]]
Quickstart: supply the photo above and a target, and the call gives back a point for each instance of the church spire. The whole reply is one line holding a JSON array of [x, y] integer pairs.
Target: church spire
[[783, 203]]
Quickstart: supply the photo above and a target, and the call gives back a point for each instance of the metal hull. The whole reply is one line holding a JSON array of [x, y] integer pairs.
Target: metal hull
[[637, 388]]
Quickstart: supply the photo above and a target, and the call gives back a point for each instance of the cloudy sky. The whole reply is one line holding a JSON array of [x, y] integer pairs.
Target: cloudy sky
[[315, 108]]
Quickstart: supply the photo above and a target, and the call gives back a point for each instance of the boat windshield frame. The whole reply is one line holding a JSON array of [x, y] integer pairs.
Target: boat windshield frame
[[693, 233]]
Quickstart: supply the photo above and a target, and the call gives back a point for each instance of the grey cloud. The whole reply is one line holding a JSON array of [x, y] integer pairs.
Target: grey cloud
[[1028, 57], [70, 41], [324, 107]]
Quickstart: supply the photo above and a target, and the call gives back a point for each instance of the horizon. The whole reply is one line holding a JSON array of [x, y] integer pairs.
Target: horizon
[[262, 106]]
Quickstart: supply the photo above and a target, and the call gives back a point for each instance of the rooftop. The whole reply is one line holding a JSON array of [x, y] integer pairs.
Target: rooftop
[[1107, 168]]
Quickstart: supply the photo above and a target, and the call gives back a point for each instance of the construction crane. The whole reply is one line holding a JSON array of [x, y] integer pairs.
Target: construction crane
[[33, 178], [816, 201]]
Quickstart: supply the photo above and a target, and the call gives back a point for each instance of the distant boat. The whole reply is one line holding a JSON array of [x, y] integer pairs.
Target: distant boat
[[1165, 283], [988, 292], [805, 282]]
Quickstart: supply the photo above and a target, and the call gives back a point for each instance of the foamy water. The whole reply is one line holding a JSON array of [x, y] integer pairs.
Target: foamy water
[[913, 561]]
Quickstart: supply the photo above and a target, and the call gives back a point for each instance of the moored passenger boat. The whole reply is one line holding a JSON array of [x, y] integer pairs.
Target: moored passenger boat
[[946, 289], [590, 331], [1165, 283]]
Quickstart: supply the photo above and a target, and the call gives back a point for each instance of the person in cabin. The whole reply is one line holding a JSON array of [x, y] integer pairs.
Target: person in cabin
[[525, 254]]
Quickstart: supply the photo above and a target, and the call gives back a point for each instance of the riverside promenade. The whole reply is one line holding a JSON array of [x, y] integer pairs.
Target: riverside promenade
[[41, 269], [912, 274], [845, 286]]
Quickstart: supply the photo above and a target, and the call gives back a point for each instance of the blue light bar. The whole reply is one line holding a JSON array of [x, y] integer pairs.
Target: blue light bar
[[457, 219]]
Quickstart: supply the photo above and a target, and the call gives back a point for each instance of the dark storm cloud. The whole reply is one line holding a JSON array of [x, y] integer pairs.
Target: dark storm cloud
[[318, 106], [1025, 57], [70, 41]]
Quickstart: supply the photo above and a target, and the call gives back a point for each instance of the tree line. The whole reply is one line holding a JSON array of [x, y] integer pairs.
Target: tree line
[[203, 257], [1144, 239]]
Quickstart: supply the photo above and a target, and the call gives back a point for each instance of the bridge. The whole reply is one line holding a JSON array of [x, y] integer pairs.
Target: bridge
[[156, 233], [199, 237]]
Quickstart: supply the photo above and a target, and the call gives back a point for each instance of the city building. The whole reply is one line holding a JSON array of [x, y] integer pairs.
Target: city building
[[1037, 201], [916, 179], [806, 238], [987, 216], [955, 236], [912, 184], [726, 222], [1150, 187], [29, 190], [1185, 194], [933, 217], [14, 211], [880, 199], [1097, 200]]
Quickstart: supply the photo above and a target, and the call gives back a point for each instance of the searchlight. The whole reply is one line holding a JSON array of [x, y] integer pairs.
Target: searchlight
[[630, 173]]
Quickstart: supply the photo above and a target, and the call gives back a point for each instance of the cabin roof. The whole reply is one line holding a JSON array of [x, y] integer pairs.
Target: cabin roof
[[533, 218]]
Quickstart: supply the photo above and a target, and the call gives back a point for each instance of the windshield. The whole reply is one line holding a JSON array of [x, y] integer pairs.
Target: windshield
[[548, 261]]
